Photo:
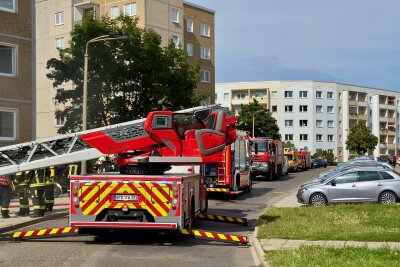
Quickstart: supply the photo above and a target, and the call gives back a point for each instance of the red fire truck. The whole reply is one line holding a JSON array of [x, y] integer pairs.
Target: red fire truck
[[232, 174], [267, 158], [304, 160]]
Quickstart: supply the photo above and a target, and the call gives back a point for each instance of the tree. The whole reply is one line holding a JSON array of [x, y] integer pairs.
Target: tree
[[289, 144], [324, 154], [126, 79], [360, 139], [264, 123]]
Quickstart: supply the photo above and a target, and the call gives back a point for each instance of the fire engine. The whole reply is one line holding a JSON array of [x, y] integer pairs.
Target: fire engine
[[304, 160], [232, 174], [291, 155], [141, 196], [267, 158]]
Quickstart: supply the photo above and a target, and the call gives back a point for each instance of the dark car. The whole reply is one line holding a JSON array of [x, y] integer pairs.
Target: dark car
[[316, 163]]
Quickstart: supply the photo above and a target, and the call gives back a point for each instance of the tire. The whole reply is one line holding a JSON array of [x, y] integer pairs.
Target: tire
[[387, 197], [269, 176], [318, 199], [192, 215], [237, 183], [250, 186]]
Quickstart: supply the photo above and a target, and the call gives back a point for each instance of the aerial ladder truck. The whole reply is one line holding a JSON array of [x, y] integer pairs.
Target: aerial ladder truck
[[141, 196]]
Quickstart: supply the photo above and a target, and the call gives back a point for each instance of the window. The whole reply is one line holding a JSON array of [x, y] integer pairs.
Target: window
[[303, 137], [189, 25], [340, 124], [340, 110], [175, 15], [58, 93], [351, 177], [319, 124], [241, 96], [8, 56], [330, 138], [205, 30], [189, 49], [7, 5], [130, 9], [330, 124], [330, 109], [274, 94], [60, 120], [303, 123], [226, 96], [303, 94], [59, 43], [204, 53], [8, 122], [205, 76], [288, 94], [329, 95], [303, 108], [175, 40], [386, 176], [59, 18], [288, 137], [288, 123], [288, 108], [340, 138], [274, 108], [366, 176], [318, 138], [318, 94], [114, 12], [318, 109], [353, 110]]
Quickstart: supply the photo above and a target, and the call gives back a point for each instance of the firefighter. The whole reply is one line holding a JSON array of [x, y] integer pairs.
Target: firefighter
[[37, 187], [49, 192], [22, 185], [6, 187]]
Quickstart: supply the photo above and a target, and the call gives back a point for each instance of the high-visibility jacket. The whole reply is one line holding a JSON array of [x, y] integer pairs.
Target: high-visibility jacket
[[22, 179], [50, 175], [38, 178]]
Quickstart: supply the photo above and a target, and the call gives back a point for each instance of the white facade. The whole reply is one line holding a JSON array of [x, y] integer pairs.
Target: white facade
[[318, 115]]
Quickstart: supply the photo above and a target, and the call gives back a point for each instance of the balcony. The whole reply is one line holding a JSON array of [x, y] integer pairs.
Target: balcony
[[260, 100], [236, 101], [353, 102], [85, 8]]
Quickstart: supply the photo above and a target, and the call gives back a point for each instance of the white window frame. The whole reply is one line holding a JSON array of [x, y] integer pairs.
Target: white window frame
[[205, 53], [130, 9], [321, 109], [189, 25], [288, 93], [274, 108], [290, 137], [14, 50], [303, 94], [303, 137], [61, 39], [205, 76], [331, 95], [319, 123], [175, 15], [332, 109], [62, 120], [331, 138], [189, 49], [288, 123], [114, 15], [226, 96], [175, 40], [13, 9], [319, 138], [15, 114], [205, 30], [318, 94], [59, 18]]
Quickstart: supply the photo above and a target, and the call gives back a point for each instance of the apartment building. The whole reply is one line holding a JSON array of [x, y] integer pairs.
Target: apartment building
[[319, 115], [189, 26], [17, 91]]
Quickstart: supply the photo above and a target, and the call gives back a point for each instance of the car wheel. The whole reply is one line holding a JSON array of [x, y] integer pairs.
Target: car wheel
[[318, 199], [388, 197]]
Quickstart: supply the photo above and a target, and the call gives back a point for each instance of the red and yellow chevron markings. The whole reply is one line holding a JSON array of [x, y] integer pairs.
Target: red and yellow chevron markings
[[219, 218], [214, 235], [45, 232]]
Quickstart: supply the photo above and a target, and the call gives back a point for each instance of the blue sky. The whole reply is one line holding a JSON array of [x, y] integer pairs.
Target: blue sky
[[347, 41]]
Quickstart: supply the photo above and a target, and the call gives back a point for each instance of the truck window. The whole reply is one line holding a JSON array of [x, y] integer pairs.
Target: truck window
[[240, 154], [261, 145]]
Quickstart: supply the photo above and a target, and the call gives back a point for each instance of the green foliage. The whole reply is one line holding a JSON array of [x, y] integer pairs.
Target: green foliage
[[360, 139], [324, 154], [126, 79], [289, 144], [264, 124]]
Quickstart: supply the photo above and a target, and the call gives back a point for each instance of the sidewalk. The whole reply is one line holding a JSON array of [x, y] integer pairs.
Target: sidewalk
[[60, 209]]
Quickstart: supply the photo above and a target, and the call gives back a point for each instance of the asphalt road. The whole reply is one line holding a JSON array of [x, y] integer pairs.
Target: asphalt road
[[140, 248]]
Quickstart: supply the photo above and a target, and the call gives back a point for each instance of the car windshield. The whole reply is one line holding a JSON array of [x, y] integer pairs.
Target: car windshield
[[260, 145]]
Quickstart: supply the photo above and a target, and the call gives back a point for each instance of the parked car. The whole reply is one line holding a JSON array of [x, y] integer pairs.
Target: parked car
[[358, 184], [316, 163]]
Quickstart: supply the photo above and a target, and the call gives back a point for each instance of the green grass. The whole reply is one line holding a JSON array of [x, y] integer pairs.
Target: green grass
[[362, 222], [325, 256]]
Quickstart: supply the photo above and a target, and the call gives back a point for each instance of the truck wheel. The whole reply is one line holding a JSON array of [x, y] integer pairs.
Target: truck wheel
[[250, 186], [191, 215], [236, 184], [270, 176]]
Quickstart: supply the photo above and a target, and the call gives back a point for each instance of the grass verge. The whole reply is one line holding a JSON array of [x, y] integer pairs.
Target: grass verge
[[363, 222], [325, 256]]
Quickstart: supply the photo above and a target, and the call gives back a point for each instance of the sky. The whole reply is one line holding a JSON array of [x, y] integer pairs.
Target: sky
[[346, 41]]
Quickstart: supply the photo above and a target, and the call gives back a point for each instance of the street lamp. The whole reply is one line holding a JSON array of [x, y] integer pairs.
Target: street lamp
[[258, 111], [106, 37]]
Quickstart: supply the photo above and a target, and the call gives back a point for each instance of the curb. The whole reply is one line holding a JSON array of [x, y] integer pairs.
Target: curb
[[258, 248], [14, 227]]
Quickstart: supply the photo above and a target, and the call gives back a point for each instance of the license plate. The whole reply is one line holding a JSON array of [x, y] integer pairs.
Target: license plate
[[125, 197]]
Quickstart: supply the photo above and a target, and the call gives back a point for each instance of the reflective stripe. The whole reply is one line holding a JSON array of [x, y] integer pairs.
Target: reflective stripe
[[4, 209], [24, 206]]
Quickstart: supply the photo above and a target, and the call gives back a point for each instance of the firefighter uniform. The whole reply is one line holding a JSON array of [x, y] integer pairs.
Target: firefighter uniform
[[22, 186], [37, 187], [5, 195], [49, 193]]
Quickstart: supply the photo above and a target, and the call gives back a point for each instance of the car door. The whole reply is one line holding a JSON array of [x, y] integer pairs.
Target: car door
[[368, 186], [343, 188]]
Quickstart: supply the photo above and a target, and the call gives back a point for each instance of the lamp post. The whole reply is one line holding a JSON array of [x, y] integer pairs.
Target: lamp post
[[258, 111], [106, 37]]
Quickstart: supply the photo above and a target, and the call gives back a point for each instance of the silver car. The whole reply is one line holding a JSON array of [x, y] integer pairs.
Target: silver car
[[359, 184]]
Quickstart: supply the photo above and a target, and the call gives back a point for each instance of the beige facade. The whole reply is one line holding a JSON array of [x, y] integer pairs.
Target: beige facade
[[166, 17], [16, 72]]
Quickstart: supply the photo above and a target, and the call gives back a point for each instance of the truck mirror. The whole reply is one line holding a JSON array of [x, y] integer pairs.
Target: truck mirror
[[256, 148]]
